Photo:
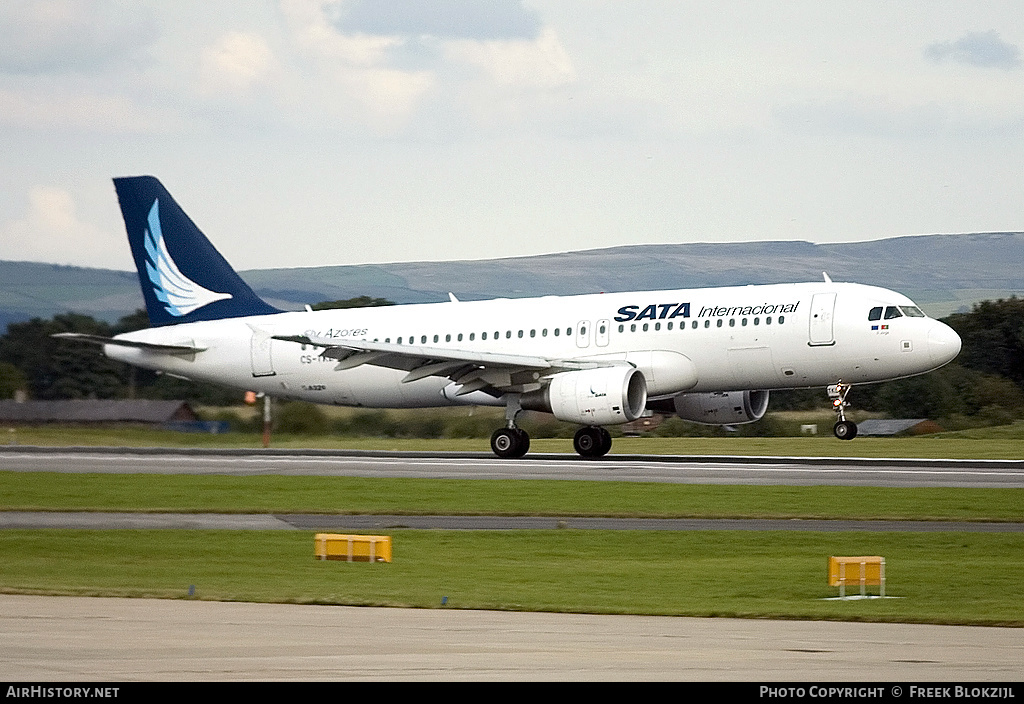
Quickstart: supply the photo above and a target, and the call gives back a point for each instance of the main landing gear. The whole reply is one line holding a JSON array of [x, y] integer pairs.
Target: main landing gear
[[843, 429], [592, 441], [511, 441]]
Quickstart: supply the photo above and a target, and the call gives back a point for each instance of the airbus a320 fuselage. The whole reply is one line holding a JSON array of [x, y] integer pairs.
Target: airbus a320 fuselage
[[709, 355]]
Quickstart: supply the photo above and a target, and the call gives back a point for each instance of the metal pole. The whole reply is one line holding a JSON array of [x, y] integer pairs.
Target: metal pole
[[266, 421]]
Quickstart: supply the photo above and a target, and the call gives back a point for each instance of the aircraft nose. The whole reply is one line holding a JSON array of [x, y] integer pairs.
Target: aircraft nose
[[943, 344]]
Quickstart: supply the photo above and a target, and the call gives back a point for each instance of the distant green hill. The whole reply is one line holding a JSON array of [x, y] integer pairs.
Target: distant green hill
[[943, 273]]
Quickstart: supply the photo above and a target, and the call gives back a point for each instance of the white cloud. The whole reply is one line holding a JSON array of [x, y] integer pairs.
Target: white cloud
[[309, 26], [445, 19], [71, 36], [235, 63], [383, 66], [348, 75], [542, 62], [52, 232], [41, 107]]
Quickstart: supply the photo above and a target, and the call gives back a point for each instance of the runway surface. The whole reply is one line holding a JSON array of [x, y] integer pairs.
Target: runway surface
[[792, 471], [79, 639]]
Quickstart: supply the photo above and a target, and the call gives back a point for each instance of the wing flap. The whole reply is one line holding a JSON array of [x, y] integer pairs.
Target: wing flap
[[338, 347], [474, 369]]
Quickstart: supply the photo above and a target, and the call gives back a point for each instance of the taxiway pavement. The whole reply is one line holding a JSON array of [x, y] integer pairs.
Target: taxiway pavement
[[80, 639]]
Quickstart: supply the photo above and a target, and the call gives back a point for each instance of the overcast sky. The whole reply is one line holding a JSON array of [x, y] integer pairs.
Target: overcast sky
[[322, 132]]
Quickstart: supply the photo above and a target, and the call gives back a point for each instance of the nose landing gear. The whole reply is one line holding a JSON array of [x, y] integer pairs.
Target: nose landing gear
[[843, 429]]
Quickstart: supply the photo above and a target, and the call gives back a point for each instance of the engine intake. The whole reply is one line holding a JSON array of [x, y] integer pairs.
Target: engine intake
[[603, 396]]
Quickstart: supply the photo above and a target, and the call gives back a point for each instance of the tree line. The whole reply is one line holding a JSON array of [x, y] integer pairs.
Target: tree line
[[983, 386]]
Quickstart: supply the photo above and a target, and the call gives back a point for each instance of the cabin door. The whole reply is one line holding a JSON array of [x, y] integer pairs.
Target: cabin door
[[260, 353], [823, 307]]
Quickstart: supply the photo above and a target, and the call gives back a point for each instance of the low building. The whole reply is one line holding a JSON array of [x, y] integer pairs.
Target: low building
[[641, 425], [96, 411], [898, 426]]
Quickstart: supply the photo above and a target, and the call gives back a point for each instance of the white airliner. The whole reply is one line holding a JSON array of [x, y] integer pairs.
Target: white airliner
[[708, 355]]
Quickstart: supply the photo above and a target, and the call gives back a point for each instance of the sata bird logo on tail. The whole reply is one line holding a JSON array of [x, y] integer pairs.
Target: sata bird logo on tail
[[179, 294]]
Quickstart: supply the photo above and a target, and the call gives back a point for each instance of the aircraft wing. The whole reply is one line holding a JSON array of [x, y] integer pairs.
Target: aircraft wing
[[473, 370]]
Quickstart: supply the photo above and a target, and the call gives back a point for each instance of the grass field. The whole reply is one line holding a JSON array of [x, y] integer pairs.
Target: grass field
[[944, 577], [44, 491], [937, 577]]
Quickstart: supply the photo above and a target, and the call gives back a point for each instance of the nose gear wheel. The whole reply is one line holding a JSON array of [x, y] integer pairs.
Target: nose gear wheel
[[843, 429]]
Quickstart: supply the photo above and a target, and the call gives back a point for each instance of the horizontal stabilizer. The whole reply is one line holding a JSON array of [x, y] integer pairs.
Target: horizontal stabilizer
[[148, 346]]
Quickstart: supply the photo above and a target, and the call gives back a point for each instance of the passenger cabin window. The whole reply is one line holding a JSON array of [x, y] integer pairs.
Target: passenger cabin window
[[892, 312], [875, 313]]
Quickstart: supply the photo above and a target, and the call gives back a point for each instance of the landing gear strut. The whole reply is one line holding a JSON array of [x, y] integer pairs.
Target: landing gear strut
[[592, 441], [510, 441], [843, 429]]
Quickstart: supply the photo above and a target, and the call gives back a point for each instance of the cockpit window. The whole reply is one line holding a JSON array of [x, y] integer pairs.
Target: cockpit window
[[875, 314], [892, 312], [912, 312]]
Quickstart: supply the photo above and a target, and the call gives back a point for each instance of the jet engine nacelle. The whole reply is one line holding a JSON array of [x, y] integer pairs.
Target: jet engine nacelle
[[602, 396], [722, 408]]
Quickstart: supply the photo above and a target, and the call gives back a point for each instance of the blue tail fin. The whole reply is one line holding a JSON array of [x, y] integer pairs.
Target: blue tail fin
[[184, 279]]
